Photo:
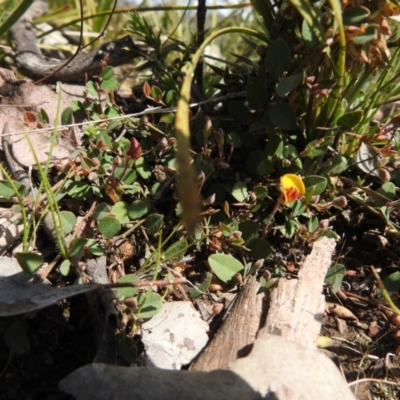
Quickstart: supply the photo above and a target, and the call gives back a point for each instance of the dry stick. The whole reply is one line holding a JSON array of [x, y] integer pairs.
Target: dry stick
[[201, 20], [101, 34], [178, 281], [238, 332], [31, 62], [77, 51]]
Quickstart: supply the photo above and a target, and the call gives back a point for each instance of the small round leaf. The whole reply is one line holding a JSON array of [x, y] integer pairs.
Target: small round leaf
[[109, 227]]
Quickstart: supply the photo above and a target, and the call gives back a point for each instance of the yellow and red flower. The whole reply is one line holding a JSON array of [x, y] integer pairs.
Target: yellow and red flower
[[292, 188]]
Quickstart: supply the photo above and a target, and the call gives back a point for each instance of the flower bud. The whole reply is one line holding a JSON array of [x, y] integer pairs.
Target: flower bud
[[207, 129], [200, 178], [286, 163], [261, 50], [210, 199], [384, 175], [219, 137], [131, 303], [135, 150], [340, 201], [258, 264], [324, 224], [162, 143], [217, 308], [222, 165], [315, 199], [117, 161]]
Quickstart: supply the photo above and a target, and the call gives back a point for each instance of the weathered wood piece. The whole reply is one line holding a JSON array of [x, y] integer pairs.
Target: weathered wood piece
[[237, 334], [297, 306], [32, 64], [295, 313]]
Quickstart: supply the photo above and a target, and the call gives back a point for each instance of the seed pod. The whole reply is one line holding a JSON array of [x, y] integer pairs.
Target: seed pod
[[384, 175]]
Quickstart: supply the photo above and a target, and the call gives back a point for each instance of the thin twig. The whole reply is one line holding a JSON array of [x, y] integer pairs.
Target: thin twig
[[77, 51]]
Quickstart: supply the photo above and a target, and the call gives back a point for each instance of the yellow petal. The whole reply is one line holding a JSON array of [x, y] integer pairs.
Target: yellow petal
[[292, 187]]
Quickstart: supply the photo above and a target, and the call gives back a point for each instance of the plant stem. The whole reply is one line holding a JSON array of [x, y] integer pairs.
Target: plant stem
[[332, 106], [187, 186]]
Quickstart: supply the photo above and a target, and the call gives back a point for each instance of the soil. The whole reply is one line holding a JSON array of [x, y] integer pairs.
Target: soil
[[365, 343]]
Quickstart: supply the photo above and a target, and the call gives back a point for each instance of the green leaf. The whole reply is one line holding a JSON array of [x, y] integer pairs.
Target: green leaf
[[238, 111], [392, 282], [275, 145], [283, 116], [239, 191], [15, 338], [109, 227], [65, 267], [171, 98], [29, 262], [354, 15], [8, 192], [388, 190], [139, 208], [371, 33], [259, 248], [143, 168], [95, 247], [289, 228], [127, 348], [127, 291], [256, 93], [68, 221], [234, 139], [176, 251], [278, 59], [91, 89], [265, 167], [109, 84], [76, 246], [289, 84], [43, 117], [334, 166], [318, 147], [299, 208], [107, 72], [224, 266], [249, 230], [101, 211], [121, 211], [261, 192], [253, 160], [153, 223], [312, 224], [202, 287], [319, 183], [312, 16], [150, 304], [350, 119], [67, 116], [334, 276], [307, 34]]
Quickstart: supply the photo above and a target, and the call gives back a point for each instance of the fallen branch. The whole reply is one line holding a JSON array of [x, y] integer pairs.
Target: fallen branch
[[31, 62]]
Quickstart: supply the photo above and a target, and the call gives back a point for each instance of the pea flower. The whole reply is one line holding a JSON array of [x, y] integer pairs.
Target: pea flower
[[292, 188]]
